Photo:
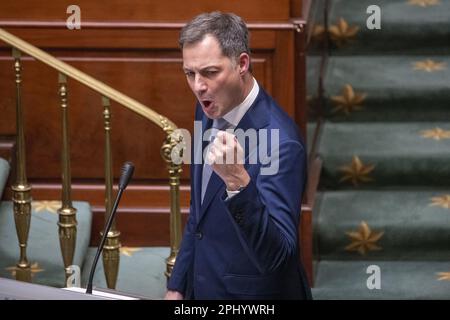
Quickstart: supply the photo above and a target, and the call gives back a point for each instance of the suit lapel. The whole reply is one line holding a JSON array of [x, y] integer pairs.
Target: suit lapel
[[206, 124]]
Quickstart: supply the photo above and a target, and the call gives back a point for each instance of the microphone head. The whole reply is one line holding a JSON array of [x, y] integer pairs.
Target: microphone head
[[127, 173]]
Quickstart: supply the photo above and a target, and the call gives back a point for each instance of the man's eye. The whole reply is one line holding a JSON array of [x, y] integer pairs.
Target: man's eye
[[211, 72], [190, 74]]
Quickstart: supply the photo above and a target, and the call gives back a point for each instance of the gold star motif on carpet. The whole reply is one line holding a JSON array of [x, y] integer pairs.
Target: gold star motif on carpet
[[429, 65], [436, 134], [442, 201], [363, 240], [423, 3], [341, 33], [129, 251], [443, 276], [348, 101], [51, 206], [34, 268], [318, 32], [356, 171]]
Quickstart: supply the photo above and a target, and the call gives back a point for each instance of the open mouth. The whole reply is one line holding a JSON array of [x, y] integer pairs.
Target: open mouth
[[207, 103]]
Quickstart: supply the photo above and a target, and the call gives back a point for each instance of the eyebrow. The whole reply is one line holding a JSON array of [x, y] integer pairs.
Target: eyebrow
[[202, 69]]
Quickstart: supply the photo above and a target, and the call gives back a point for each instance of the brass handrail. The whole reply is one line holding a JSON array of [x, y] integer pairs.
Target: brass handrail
[[85, 79]]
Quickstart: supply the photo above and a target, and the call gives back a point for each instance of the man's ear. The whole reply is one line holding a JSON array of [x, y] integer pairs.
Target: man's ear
[[244, 63]]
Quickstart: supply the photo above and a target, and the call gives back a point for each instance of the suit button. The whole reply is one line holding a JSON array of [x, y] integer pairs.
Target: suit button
[[199, 235]]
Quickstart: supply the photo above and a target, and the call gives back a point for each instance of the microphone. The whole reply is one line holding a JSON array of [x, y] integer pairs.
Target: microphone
[[127, 173]]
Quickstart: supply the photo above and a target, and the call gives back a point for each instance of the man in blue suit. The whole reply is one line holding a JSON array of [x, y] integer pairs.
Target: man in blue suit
[[241, 238]]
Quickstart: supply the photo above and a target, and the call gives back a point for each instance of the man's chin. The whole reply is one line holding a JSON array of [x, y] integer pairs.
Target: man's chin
[[212, 114]]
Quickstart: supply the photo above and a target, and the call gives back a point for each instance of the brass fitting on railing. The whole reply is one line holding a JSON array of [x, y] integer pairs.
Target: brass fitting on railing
[[111, 250], [67, 224], [21, 189], [172, 140]]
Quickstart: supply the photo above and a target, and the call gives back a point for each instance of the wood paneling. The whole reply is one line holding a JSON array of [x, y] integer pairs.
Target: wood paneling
[[138, 228], [283, 71], [297, 8], [139, 10], [117, 37]]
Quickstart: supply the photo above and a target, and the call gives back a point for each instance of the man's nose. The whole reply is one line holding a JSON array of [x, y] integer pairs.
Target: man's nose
[[199, 84]]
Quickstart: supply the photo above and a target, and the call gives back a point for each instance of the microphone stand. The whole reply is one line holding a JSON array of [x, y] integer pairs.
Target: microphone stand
[[102, 243], [127, 172]]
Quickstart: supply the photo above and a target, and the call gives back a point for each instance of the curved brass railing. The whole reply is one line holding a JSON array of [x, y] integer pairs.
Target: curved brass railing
[[67, 214], [85, 79]]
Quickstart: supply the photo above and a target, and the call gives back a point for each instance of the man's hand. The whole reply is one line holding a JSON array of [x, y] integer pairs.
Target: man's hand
[[227, 160], [173, 295]]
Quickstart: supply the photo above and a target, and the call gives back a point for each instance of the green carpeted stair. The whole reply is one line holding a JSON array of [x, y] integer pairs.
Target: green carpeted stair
[[385, 186], [394, 90], [407, 26], [340, 279], [399, 153], [414, 228]]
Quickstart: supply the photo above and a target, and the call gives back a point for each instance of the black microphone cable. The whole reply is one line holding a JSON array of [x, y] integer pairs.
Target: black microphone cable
[[127, 173]]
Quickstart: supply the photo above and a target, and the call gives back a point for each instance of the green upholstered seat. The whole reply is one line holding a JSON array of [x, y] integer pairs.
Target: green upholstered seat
[[4, 172], [141, 271], [43, 251]]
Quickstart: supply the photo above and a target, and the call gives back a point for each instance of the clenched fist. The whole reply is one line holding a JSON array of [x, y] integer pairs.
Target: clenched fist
[[226, 157]]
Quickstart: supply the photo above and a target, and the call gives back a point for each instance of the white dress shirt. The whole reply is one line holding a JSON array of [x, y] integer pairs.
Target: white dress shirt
[[237, 113]]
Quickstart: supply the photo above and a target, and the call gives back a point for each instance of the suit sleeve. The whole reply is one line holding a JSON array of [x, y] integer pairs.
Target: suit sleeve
[[267, 212]]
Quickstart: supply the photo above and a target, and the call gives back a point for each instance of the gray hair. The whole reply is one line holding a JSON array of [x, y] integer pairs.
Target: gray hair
[[229, 30]]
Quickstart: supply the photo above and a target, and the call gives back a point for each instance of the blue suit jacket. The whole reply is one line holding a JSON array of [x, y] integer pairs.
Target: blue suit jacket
[[246, 247]]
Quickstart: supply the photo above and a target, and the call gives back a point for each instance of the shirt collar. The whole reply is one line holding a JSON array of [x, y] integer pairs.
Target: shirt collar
[[238, 112]]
